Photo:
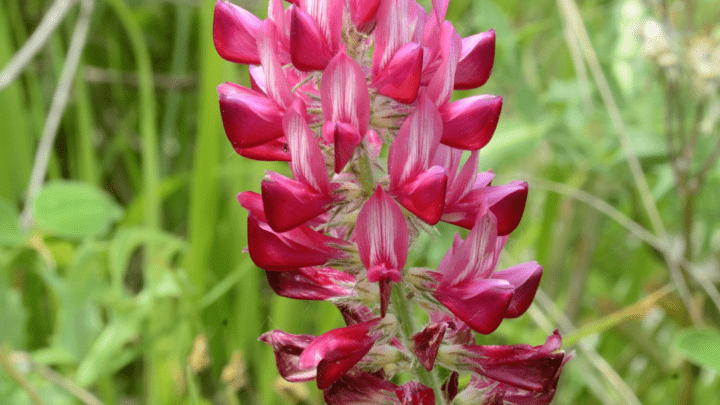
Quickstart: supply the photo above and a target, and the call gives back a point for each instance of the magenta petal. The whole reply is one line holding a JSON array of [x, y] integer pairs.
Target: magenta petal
[[414, 147], [400, 80], [469, 123], [440, 8], [414, 393], [508, 204], [346, 139], [336, 351], [428, 342], [525, 279], [357, 387], [308, 162], [308, 47], [522, 366], [298, 247], [276, 83], [250, 118], [344, 93], [234, 33], [425, 196], [476, 60], [311, 283], [481, 304], [289, 203], [287, 349], [273, 151], [381, 233], [362, 12], [475, 257], [461, 182], [441, 85]]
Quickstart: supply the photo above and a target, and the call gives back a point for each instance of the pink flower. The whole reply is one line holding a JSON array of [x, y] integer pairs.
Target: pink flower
[[290, 203], [469, 123], [235, 32], [298, 247], [428, 342], [465, 288], [311, 283], [414, 393], [357, 387], [531, 368], [415, 184], [331, 83], [476, 60], [335, 352], [345, 106], [382, 238], [315, 33], [287, 349], [468, 191]]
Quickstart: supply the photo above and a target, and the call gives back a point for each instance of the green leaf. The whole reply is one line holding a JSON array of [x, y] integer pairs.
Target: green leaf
[[701, 347], [10, 233], [74, 210]]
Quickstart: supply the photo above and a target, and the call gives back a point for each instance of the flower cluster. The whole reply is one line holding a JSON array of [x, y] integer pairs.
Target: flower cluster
[[356, 96]]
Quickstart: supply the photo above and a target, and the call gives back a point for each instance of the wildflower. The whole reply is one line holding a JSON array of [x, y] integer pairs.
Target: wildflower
[[333, 84]]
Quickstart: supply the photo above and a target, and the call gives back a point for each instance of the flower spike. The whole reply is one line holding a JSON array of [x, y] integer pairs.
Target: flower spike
[[356, 96]]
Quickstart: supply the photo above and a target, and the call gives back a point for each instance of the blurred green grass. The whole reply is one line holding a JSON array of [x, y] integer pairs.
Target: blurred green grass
[[148, 301]]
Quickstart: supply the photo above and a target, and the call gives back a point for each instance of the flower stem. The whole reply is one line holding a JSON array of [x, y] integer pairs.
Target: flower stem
[[407, 329]]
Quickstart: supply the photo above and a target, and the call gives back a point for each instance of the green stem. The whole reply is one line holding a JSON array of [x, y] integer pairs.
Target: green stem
[[407, 329], [158, 378]]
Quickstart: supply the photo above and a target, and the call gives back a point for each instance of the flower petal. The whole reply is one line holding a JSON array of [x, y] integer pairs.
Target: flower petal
[[308, 162], [336, 351], [382, 236], [344, 93], [250, 118], [400, 79], [234, 33], [274, 151], [290, 203], [287, 349], [311, 283], [469, 123], [481, 304], [428, 342], [308, 47], [357, 387], [363, 12], [413, 149], [414, 393], [276, 83], [298, 247], [475, 257], [442, 82], [476, 61], [522, 366], [425, 196], [525, 279], [345, 138]]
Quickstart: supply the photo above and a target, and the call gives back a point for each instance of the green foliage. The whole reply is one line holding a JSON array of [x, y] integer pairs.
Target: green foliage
[[702, 347], [74, 210]]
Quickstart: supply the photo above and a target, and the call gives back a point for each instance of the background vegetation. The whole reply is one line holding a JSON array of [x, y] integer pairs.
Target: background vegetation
[[122, 277]]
